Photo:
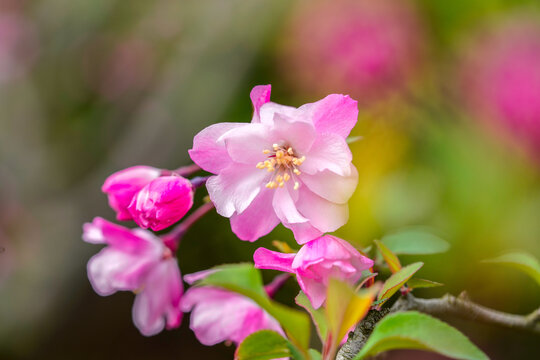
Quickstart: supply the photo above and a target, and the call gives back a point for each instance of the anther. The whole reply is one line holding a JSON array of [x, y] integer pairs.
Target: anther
[[275, 146], [296, 185], [290, 151], [296, 171], [286, 177], [260, 165], [266, 151]]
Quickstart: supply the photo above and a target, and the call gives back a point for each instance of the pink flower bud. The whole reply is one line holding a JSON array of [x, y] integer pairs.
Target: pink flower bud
[[162, 202], [122, 186], [315, 263]]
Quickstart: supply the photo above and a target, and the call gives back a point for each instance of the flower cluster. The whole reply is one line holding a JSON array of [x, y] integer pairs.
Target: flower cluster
[[288, 165]]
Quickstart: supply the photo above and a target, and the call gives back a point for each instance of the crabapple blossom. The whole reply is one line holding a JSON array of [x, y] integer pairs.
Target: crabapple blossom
[[219, 315], [162, 202], [315, 263], [289, 165], [136, 260], [123, 185]]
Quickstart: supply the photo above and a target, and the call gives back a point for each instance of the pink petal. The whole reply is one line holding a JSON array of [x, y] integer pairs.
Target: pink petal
[[234, 188], [194, 277], [331, 186], [113, 270], [158, 304], [246, 144], [268, 259], [303, 232], [259, 95], [314, 290], [336, 114], [324, 215], [295, 132], [258, 219], [285, 207], [268, 110], [329, 152], [207, 152]]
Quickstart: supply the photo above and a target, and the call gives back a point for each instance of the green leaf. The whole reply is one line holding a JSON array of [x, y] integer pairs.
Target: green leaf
[[263, 345], [521, 261], [415, 241], [396, 281], [314, 354], [318, 316], [246, 280], [391, 259], [344, 309], [413, 330], [415, 283]]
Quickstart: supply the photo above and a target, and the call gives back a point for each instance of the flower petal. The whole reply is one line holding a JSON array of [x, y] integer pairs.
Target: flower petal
[[268, 259], [285, 207], [336, 114], [324, 215], [258, 219], [329, 152], [259, 95], [303, 232], [158, 304], [235, 188], [331, 186], [314, 290], [246, 144], [207, 152]]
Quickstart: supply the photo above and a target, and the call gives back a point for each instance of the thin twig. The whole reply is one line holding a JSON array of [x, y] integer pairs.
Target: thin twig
[[173, 238], [460, 306]]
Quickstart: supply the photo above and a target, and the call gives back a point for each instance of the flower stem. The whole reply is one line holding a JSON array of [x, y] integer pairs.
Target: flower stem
[[182, 171], [172, 239], [276, 284], [199, 181]]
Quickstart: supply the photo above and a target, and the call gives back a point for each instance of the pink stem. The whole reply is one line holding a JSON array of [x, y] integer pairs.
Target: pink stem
[[172, 239], [182, 171]]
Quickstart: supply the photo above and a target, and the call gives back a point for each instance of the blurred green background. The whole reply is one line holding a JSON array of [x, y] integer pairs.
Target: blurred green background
[[88, 87]]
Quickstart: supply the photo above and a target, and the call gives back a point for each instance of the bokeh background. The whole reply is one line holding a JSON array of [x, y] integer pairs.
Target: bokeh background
[[449, 96]]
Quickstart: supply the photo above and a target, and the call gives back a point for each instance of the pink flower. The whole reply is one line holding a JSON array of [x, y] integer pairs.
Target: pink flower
[[138, 261], [364, 47], [502, 81], [289, 165], [162, 202], [123, 185], [219, 315], [315, 263]]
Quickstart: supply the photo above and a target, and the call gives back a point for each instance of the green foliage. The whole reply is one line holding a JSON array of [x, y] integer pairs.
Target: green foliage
[[246, 280], [415, 241], [519, 260], [318, 316], [391, 259], [422, 283], [413, 330], [263, 345], [344, 309], [396, 281]]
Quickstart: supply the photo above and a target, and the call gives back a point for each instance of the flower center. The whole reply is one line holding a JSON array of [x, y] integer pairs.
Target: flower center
[[283, 163]]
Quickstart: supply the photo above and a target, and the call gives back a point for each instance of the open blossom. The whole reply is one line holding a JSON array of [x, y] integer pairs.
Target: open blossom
[[136, 260], [162, 202], [315, 263], [219, 315], [123, 185], [289, 165]]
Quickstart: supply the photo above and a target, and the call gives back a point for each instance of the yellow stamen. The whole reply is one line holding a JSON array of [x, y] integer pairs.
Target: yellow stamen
[[286, 177], [281, 184], [296, 185], [260, 165], [279, 178], [271, 185], [296, 171], [266, 151], [275, 146], [279, 154], [290, 151]]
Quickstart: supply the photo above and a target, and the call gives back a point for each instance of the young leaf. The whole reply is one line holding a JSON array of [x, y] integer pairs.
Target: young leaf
[[391, 259], [521, 261], [396, 281], [344, 309], [422, 283], [246, 280], [415, 241], [314, 354], [318, 316], [283, 247], [414, 330], [263, 345]]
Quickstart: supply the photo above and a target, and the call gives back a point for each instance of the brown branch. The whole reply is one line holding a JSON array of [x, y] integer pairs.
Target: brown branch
[[460, 306]]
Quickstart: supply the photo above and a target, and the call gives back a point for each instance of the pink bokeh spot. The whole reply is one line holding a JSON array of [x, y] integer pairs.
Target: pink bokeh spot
[[288, 165]]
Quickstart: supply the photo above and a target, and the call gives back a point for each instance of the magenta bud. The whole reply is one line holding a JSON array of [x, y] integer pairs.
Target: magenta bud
[[162, 202], [123, 185]]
